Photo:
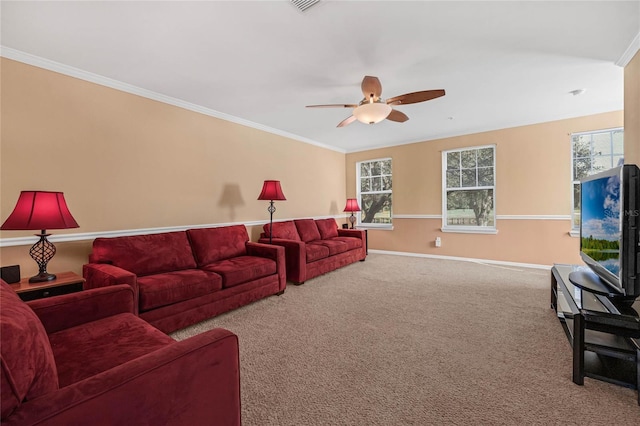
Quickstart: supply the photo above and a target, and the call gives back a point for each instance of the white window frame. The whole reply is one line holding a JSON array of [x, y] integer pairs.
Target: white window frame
[[359, 195], [463, 228], [575, 229]]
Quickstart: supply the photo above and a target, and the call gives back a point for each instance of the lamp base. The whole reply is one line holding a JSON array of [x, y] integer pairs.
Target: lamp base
[[271, 209], [42, 252], [352, 219], [40, 278]]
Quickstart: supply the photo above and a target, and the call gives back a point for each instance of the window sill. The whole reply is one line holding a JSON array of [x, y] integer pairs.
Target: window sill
[[574, 233], [468, 230], [374, 227]]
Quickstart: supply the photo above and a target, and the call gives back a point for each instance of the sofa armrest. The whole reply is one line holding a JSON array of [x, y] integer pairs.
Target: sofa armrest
[[103, 275], [273, 252], [357, 233], [192, 382], [295, 256], [66, 311], [292, 244], [99, 275]]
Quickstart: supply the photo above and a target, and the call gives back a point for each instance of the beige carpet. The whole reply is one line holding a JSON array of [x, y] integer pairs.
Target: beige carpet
[[411, 341]]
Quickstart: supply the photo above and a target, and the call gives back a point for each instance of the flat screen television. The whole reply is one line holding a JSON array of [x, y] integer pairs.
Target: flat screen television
[[609, 239]]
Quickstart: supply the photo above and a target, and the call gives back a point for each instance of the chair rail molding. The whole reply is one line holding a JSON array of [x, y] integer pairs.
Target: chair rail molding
[[61, 238], [498, 217]]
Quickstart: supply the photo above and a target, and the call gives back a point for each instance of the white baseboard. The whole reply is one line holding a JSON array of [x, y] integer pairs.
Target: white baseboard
[[463, 259]]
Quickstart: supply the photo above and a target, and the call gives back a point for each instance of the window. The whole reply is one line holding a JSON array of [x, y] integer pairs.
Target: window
[[593, 152], [375, 192], [468, 177]]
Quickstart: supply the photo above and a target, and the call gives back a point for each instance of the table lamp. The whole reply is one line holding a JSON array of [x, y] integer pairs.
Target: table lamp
[[352, 206], [40, 210]]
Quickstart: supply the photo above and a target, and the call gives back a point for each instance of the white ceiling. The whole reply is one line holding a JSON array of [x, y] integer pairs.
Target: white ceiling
[[502, 64]]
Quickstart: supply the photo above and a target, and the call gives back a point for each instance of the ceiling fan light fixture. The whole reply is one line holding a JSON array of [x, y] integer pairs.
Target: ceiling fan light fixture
[[372, 109], [372, 112]]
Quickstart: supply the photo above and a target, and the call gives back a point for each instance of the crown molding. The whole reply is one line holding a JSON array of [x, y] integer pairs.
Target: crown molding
[[631, 51], [70, 71]]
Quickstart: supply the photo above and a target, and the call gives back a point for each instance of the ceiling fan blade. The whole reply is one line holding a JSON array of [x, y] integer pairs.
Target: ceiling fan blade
[[347, 121], [333, 106], [371, 86], [398, 116], [415, 97]]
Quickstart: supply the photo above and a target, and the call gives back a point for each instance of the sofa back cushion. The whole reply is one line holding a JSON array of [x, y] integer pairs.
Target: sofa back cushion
[[28, 368], [146, 254], [328, 228], [286, 230], [307, 229], [213, 244]]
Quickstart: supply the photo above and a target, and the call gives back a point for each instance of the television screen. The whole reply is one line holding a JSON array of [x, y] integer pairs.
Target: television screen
[[601, 225], [609, 239]]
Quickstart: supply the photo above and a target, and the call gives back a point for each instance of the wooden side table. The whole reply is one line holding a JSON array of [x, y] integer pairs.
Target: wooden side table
[[65, 282]]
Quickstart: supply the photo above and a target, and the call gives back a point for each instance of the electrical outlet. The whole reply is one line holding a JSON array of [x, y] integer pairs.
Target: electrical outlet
[[438, 242]]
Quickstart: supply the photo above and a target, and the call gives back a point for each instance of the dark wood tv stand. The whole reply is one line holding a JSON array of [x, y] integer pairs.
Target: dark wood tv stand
[[605, 337]]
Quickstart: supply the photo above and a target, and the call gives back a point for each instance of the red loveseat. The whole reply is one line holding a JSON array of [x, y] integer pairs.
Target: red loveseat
[[181, 278], [86, 359], [315, 247]]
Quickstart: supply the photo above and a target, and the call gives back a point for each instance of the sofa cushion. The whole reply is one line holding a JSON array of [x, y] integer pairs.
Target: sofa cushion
[[27, 363], [316, 252], [171, 287], [307, 229], [88, 349], [352, 243], [146, 254], [334, 246], [328, 228], [286, 230], [238, 270], [213, 244]]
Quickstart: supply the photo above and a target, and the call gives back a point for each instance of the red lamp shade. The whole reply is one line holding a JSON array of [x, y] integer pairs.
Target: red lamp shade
[[40, 210], [271, 191], [352, 205]]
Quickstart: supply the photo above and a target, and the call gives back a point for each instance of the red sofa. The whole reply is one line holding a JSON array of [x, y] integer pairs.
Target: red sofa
[[181, 278], [315, 247], [86, 359]]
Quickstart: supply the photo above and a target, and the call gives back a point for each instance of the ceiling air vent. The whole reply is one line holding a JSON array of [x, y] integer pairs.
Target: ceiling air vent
[[304, 4]]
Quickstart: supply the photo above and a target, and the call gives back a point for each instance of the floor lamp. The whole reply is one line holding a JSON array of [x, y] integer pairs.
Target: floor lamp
[[352, 206], [271, 191], [40, 210]]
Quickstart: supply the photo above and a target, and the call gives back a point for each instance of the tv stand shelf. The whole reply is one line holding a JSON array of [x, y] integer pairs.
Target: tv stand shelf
[[605, 337]]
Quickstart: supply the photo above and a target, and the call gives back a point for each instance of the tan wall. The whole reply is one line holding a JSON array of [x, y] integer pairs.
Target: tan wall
[[533, 177], [542, 242], [128, 162], [632, 111]]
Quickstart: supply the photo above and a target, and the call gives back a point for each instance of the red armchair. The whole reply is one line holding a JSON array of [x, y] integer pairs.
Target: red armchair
[[85, 358]]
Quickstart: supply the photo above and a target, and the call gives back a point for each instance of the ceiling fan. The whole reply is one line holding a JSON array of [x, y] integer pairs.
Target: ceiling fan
[[373, 109]]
